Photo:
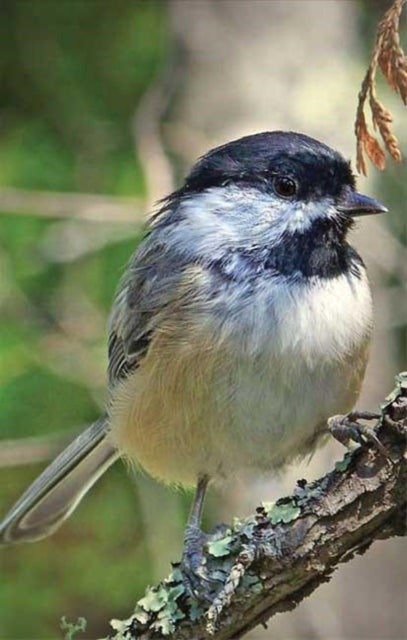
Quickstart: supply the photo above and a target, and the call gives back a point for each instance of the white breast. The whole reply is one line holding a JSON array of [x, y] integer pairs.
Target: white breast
[[305, 355], [318, 322], [248, 386]]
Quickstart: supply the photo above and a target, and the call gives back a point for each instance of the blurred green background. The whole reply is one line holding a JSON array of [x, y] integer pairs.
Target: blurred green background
[[101, 104]]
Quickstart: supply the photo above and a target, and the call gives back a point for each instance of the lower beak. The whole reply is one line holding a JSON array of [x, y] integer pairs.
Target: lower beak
[[356, 204]]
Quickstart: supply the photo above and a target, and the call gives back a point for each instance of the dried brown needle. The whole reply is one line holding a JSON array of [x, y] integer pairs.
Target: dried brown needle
[[390, 57]]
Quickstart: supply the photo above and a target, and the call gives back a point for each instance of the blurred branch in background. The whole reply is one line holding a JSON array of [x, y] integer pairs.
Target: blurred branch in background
[[33, 450], [82, 206], [146, 129]]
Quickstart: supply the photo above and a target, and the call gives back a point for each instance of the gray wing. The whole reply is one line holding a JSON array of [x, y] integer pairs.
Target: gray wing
[[149, 285]]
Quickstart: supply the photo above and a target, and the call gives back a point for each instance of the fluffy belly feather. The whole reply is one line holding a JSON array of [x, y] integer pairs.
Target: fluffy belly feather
[[253, 393]]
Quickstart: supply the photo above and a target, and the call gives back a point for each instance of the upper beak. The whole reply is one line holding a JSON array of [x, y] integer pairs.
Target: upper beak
[[356, 204]]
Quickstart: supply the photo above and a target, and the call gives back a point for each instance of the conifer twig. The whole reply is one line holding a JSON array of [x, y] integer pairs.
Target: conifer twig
[[389, 56]]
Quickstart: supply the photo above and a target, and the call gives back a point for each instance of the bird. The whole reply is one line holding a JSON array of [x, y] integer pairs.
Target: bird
[[241, 325]]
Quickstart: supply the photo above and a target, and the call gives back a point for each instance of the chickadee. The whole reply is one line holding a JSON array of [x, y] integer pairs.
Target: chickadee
[[242, 323]]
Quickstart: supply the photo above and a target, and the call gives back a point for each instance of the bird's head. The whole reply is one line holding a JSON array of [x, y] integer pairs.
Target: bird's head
[[265, 190]]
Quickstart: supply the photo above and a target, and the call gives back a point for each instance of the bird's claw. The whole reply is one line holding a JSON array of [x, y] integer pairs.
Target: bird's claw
[[347, 428], [195, 578]]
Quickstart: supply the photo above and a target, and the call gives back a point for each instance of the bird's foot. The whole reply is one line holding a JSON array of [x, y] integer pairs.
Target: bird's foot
[[193, 569], [347, 429]]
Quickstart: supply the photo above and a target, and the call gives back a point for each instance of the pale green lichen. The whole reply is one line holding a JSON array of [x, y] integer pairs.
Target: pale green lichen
[[283, 513], [158, 609], [141, 614], [121, 627], [220, 547], [175, 576], [167, 618], [343, 464], [401, 382], [72, 628], [154, 600], [162, 599], [267, 506], [244, 527]]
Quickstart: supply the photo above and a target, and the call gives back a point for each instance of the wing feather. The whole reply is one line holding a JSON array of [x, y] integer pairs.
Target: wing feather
[[148, 287]]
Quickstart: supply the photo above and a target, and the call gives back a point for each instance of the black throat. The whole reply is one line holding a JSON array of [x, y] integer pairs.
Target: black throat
[[320, 251]]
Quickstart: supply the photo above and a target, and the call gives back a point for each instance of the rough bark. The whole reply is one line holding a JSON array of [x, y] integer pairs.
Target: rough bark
[[271, 561]]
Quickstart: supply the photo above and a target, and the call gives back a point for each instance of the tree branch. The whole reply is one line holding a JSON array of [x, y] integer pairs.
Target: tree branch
[[268, 563], [35, 449], [80, 206]]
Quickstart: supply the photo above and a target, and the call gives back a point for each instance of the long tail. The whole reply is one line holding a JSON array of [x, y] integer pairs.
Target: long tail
[[59, 489]]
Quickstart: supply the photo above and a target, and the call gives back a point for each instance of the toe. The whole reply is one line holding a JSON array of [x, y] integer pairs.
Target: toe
[[346, 429], [193, 565]]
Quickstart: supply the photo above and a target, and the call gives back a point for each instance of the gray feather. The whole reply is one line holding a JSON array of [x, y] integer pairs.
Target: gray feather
[[149, 285], [58, 490]]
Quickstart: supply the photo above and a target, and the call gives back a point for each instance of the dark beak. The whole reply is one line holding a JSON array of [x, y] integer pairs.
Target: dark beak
[[356, 204]]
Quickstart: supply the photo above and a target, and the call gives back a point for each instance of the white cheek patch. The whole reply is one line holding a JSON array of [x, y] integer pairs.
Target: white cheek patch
[[219, 220], [239, 217], [299, 216]]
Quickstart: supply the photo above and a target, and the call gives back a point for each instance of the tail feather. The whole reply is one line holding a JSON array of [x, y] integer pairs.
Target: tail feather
[[54, 495]]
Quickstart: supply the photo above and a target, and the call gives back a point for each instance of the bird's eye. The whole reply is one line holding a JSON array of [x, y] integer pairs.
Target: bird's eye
[[284, 187]]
